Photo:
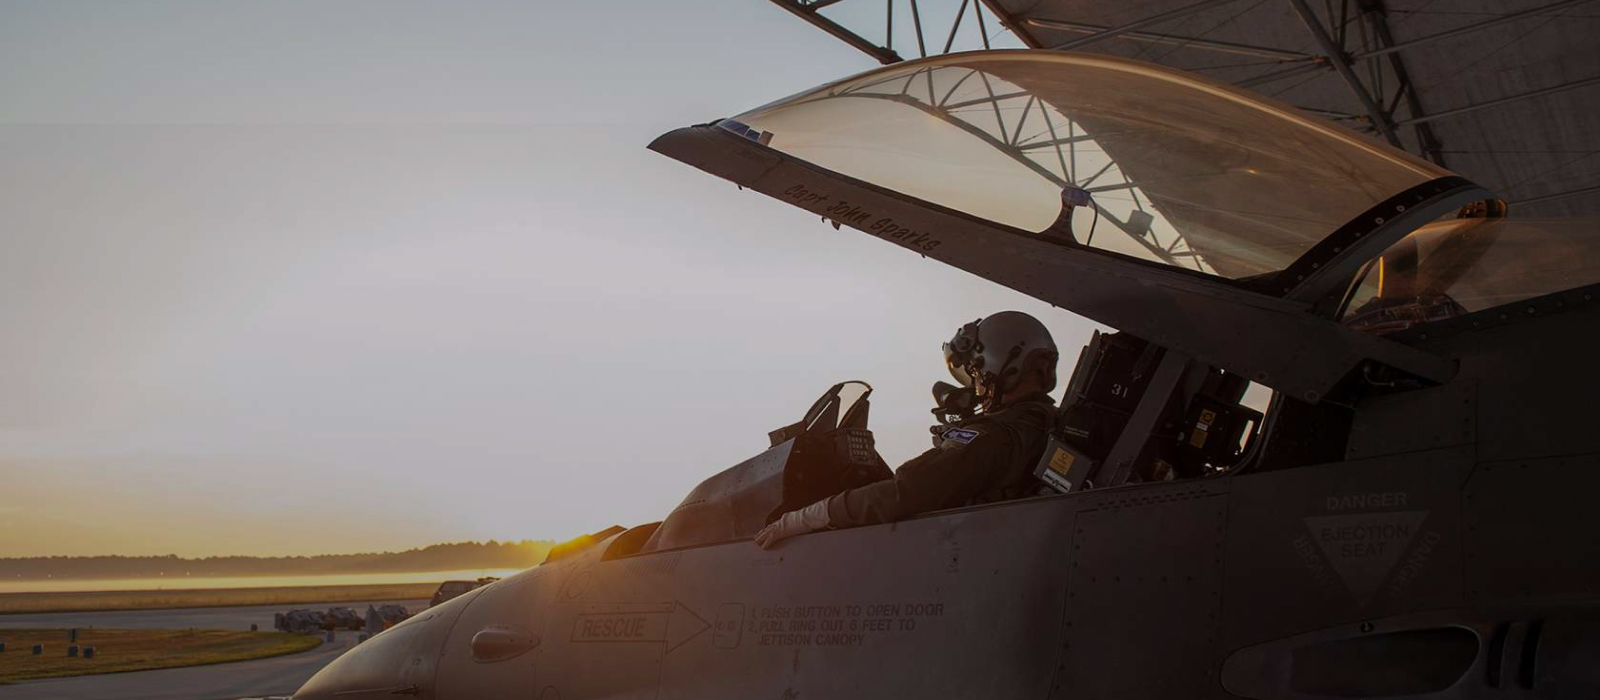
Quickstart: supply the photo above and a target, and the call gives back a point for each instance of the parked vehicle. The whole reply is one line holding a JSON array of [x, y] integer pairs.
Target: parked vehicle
[[343, 619], [301, 621], [383, 617], [451, 589]]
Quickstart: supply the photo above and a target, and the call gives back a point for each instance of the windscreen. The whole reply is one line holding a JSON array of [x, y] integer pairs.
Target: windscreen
[[1453, 268], [1163, 166]]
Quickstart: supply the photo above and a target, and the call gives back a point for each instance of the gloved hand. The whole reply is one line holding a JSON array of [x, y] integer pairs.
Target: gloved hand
[[795, 522]]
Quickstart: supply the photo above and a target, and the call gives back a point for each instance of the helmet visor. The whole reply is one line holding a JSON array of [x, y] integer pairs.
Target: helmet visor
[[959, 352]]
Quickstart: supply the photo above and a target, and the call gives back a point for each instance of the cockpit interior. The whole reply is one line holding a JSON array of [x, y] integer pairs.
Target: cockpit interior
[[1189, 215]]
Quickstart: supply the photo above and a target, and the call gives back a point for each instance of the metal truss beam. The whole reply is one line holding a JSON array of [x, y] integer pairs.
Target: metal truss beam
[[1007, 21], [1184, 41], [916, 22], [808, 12], [1126, 185], [1341, 64], [1011, 150], [1557, 195], [1036, 145], [1321, 64], [983, 31], [986, 100], [1504, 100], [1469, 29], [1333, 114], [1140, 24], [956, 26], [1427, 143]]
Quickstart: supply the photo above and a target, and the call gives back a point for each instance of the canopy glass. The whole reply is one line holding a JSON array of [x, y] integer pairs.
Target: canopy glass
[[1453, 268], [1177, 169]]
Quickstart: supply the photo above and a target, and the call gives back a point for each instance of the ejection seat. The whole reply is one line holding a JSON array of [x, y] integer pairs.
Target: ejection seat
[[828, 451]]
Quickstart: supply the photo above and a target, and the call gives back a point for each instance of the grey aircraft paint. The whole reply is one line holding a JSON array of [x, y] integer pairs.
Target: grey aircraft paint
[[1411, 520]]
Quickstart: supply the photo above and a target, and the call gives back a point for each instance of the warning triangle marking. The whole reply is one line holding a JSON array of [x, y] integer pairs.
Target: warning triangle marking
[[1365, 547], [685, 625]]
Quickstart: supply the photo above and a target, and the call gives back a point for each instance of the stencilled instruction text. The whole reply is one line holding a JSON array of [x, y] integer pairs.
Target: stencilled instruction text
[[836, 625]]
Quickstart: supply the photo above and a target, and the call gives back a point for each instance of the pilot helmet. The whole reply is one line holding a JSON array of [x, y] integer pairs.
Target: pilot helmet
[[991, 351]]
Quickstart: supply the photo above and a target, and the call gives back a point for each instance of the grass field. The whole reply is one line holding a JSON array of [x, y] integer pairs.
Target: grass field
[[117, 651], [207, 598]]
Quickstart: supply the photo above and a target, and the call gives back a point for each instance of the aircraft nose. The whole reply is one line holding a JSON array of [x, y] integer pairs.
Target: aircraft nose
[[369, 668], [399, 661]]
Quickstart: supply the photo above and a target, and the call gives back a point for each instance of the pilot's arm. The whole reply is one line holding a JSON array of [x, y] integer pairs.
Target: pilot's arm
[[950, 475], [969, 462]]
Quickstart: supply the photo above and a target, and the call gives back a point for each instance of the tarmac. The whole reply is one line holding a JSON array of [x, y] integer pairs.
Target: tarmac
[[264, 677]]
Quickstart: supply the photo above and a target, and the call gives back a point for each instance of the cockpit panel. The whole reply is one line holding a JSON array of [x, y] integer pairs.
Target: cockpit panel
[[1162, 166]]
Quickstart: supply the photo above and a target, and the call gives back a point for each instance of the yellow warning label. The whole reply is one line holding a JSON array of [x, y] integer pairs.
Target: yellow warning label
[[1203, 428], [1061, 461], [1162, 471]]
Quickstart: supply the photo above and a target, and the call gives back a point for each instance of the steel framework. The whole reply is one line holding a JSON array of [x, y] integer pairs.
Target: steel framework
[[1035, 135], [1353, 39]]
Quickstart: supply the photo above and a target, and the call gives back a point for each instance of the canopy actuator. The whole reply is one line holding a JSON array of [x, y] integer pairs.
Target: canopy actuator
[[1071, 198]]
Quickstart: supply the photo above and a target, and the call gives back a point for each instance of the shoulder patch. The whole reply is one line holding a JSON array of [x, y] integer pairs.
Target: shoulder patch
[[961, 435]]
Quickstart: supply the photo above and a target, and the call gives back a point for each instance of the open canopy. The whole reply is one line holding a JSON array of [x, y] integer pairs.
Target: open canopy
[[1502, 92], [1177, 169], [1195, 215]]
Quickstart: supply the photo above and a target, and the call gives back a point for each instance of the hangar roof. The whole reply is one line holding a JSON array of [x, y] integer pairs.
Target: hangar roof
[[1504, 92]]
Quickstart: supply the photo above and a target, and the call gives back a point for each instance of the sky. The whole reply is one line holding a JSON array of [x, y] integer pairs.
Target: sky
[[301, 277]]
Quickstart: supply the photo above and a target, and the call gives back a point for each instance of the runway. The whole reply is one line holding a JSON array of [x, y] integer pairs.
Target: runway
[[276, 676], [232, 618]]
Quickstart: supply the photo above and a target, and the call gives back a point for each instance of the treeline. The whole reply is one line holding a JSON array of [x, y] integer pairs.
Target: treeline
[[440, 557]]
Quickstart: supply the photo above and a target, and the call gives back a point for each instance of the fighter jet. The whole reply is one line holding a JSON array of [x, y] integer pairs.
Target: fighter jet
[[1408, 518]]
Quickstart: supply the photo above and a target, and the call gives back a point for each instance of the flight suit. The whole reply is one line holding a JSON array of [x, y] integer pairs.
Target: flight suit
[[983, 460]]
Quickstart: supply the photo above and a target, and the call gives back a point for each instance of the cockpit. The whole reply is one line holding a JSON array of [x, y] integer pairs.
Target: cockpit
[[1452, 268], [1078, 178], [1233, 242]]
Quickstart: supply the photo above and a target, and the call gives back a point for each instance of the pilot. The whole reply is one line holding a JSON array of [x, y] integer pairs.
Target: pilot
[[1009, 360]]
